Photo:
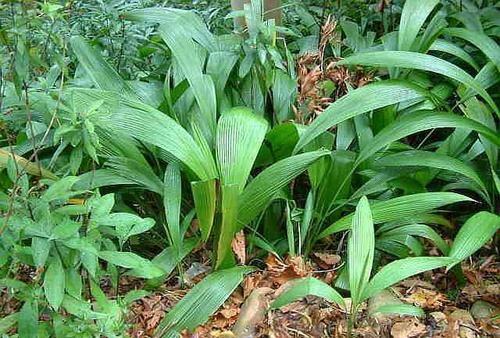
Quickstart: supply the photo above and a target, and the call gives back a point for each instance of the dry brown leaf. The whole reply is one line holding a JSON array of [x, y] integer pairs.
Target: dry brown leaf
[[326, 260], [408, 329], [239, 247]]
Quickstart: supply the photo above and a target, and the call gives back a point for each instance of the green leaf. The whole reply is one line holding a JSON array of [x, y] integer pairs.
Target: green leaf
[[8, 321], [360, 101], [54, 283], [420, 121], [168, 258], [201, 301], [452, 49], [240, 134], [433, 160], [205, 198], [396, 271], [400, 208], [420, 230], [152, 126], [400, 309], [59, 189], [476, 231], [228, 228], [141, 266], [261, 190], [26, 166], [308, 286], [360, 250], [103, 75], [172, 198], [73, 282], [418, 61], [40, 248], [65, 230], [483, 42], [202, 85], [27, 322], [413, 16]]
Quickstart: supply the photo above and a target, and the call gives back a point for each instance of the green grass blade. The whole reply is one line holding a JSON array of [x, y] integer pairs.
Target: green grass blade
[[400, 208], [308, 286], [201, 302], [360, 250]]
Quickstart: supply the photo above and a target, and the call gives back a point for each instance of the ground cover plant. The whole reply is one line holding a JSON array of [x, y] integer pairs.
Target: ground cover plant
[[249, 168]]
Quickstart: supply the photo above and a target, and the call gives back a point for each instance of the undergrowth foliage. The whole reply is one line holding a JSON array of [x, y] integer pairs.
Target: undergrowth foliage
[[133, 133]]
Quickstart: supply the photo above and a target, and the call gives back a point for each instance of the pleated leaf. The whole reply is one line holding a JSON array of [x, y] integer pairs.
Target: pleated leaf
[[360, 101], [400, 309], [172, 198], [452, 49], [418, 61], [420, 230], [240, 134], [228, 228], [400, 208], [308, 286], [476, 231], [201, 302], [205, 199], [360, 250], [260, 191]]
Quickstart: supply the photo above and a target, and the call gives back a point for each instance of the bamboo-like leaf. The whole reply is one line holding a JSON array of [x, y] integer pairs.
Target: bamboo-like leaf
[[450, 48], [360, 250], [139, 173], [476, 231], [201, 302], [483, 42], [420, 121], [24, 165], [359, 101], [308, 286], [413, 16], [400, 208], [430, 159], [396, 271], [240, 134], [260, 191], [418, 61], [172, 198]]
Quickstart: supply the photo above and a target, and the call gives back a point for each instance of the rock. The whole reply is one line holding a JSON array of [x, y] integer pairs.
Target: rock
[[438, 320], [463, 320], [483, 310], [252, 312], [384, 297]]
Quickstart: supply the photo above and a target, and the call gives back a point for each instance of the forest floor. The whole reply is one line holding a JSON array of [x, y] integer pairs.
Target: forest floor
[[468, 312]]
